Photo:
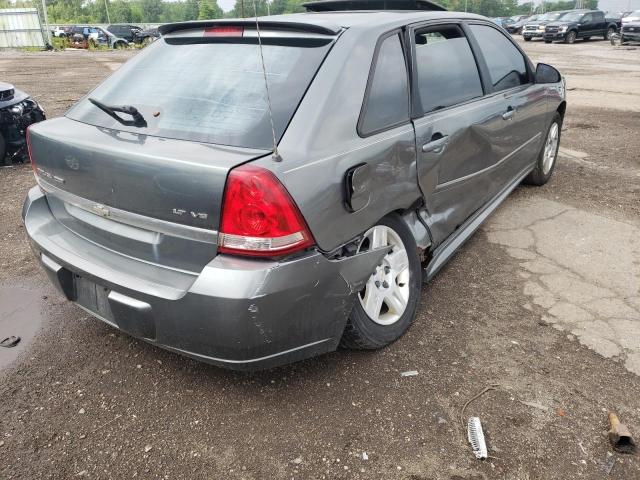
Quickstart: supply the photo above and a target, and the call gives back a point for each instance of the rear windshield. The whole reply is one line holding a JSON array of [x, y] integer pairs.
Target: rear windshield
[[212, 92]]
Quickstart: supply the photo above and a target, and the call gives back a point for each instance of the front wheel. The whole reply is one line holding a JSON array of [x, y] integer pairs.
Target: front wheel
[[570, 37], [527, 39], [546, 162], [547, 41], [609, 34], [387, 305]]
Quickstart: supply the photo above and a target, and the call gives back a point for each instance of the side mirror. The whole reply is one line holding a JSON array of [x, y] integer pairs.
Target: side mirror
[[547, 74]]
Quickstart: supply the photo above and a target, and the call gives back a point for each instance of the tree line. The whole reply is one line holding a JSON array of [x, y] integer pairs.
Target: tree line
[[160, 11]]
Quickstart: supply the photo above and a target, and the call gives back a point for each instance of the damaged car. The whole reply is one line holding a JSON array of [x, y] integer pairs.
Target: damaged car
[[251, 193], [17, 111]]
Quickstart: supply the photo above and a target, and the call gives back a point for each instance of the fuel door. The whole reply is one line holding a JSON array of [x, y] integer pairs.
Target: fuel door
[[357, 182]]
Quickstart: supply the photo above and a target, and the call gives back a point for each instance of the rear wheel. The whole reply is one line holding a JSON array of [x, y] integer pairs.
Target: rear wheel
[[4, 159], [387, 305], [546, 162], [547, 41], [570, 37], [527, 39]]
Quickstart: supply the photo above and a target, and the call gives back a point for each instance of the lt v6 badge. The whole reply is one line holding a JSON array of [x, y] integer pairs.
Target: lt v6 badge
[[180, 211]]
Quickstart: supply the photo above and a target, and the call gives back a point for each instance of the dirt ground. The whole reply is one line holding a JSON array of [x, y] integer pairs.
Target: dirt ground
[[543, 304]]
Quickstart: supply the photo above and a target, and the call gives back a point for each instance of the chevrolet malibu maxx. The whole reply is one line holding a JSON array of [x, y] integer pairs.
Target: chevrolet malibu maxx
[[283, 187]]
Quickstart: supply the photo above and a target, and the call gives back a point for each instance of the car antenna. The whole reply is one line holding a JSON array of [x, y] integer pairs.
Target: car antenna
[[276, 156]]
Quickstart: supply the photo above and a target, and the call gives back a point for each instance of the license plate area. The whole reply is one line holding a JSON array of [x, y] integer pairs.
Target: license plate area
[[93, 297]]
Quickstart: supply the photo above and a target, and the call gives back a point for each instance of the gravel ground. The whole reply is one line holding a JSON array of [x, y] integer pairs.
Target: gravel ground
[[542, 303]]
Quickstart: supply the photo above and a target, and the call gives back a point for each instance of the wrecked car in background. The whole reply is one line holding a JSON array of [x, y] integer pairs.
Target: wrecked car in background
[[87, 36], [17, 111], [630, 30], [187, 204]]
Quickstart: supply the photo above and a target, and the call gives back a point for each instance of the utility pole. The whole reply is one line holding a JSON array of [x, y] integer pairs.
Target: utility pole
[[242, 8], [46, 21], [465, 5], [106, 7]]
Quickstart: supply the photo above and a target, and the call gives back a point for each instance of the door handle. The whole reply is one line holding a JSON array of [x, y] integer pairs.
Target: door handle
[[508, 115], [436, 146]]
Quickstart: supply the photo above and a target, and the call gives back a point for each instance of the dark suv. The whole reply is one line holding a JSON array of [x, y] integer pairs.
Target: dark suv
[[126, 31], [582, 24], [253, 196]]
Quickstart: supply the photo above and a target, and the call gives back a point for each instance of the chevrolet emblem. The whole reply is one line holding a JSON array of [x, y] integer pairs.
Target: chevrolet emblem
[[101, 210]]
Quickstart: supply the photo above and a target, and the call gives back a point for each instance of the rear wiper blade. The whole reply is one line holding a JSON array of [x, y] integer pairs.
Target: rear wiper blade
[[138, 119]]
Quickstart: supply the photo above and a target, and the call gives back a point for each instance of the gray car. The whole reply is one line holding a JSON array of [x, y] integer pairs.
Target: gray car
[[183, 203]]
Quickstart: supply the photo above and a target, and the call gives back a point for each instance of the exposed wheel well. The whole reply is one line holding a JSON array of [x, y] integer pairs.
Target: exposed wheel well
[[562, 108]]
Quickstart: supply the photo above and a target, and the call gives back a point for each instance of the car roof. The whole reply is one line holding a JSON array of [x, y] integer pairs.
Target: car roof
[[333, 21]]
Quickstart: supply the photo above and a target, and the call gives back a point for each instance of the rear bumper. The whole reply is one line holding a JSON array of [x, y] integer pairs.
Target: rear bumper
[[237, 313]]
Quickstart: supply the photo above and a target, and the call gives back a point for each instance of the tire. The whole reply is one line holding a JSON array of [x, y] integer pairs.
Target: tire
[[547, 41], [610, 32], [4, 159], [527, 39], [403, 284], [570, 37], [547, 158]]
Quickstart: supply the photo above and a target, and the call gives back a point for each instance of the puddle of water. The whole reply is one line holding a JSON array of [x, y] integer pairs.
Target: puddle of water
[[20, 315]]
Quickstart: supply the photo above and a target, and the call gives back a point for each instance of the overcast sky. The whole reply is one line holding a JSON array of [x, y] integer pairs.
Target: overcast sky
[[226, 5]]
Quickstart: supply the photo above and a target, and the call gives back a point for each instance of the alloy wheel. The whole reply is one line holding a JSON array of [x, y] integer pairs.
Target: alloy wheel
[[550, 148], [386, 293]]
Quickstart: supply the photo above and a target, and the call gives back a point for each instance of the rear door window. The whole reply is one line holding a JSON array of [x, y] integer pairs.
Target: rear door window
[[387, 98], [210, 90], [446, 69], [507, 66]]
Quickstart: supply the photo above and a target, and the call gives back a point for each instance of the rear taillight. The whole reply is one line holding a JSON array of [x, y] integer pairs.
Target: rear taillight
[[259, 217], [29, 151]]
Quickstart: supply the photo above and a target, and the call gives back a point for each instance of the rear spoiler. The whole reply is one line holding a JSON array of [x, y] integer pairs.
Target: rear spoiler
[[354, 5], [264, 23]]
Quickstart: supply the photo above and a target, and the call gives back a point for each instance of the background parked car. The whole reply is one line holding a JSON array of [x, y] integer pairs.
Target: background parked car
[[535, 29], [516, 27], [630, 31], [582, 24], [17, 111], [124, 30], [60, 31], [147, 36]]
